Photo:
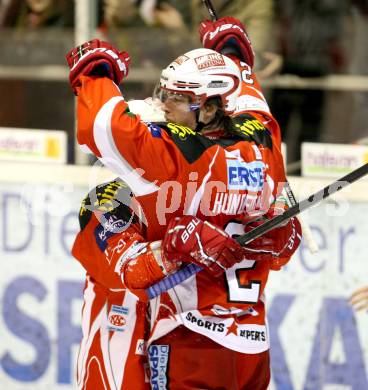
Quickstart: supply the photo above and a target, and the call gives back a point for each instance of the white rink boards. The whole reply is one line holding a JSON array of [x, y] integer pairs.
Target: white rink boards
[[318, 342]]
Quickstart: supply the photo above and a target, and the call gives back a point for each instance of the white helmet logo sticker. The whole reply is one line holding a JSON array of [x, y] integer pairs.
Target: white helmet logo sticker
[[210, 60]]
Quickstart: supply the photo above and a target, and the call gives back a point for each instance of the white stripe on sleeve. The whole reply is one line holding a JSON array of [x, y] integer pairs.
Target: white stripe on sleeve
[[111, 156]]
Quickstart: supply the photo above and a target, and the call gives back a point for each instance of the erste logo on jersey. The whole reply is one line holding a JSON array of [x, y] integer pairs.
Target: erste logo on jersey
[[245, 176]]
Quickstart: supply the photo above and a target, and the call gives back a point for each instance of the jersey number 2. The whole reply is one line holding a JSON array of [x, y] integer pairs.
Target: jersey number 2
[[237, 292], [246, 73]]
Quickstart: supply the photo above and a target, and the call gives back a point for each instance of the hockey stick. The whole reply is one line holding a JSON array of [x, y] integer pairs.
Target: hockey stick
[[210, 9], [186, 272], [307, 233]]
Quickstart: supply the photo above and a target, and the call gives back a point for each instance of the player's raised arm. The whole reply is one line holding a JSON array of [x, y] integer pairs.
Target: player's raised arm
[[228, 36], [106, 127], [93, 65]]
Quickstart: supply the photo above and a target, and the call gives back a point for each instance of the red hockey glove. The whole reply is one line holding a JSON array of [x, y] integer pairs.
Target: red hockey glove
[[189, 239], [227, 31], [278, 245], [97, 58]]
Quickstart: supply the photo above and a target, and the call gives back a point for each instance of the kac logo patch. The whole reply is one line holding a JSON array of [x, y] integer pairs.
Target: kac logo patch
[[158, 356], [245, 176], [116, 318]]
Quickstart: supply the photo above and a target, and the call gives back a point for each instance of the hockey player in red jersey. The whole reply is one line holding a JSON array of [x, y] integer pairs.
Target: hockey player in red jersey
[[119, 265], [225, 170], [112, 352]]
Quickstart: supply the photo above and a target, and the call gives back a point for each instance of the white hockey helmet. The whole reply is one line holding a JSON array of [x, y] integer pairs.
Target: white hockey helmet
[[203, 74]]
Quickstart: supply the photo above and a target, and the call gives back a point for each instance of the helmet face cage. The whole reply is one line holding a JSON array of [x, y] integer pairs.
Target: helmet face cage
[[203, 74]]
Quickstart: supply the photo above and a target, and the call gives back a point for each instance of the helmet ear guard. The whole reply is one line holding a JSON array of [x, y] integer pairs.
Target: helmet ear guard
[[203, 74]]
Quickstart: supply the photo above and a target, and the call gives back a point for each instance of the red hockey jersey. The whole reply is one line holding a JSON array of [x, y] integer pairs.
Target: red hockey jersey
[[174, 171]]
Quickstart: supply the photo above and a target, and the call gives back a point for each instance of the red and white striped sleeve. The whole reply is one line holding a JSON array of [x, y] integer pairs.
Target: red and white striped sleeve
[[141, 154]]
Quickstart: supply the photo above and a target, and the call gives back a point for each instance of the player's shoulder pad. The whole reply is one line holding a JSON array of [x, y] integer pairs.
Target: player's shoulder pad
[[191, 144], [177, 131], [111, 198], [249, 128]]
